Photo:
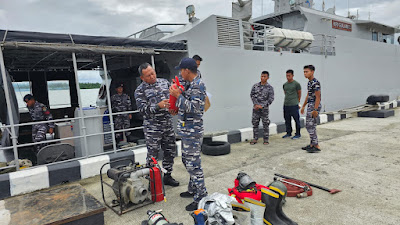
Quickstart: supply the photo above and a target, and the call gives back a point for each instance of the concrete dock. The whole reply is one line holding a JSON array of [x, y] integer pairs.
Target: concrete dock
[[360, 156]]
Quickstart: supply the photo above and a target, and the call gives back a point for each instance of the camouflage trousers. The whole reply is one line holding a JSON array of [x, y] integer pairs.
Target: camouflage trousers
[[191, 158], [39, 134], [311, 124], [121, 122], [262, 114], [161, 138]]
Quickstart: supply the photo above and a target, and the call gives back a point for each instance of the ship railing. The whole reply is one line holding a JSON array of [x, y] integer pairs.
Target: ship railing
[[72, 120], [323, 45], [256, 36], [81, 118], [155, 32]]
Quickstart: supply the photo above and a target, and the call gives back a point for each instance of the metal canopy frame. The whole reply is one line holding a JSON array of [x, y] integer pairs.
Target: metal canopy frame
[[29, 51]]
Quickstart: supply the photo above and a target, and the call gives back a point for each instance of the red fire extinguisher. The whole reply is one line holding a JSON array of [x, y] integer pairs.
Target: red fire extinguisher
[[156, 184], [172, 99]]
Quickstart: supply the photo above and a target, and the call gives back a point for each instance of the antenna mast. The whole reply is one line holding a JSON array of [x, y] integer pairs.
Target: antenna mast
[[334, 6], [369, 13], [348, 8], [262, 7]]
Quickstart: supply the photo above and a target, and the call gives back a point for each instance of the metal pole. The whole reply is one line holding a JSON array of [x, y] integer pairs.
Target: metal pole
[[152, 62], [262, 7], [109, 102], [8, 100], [241, 34], [80, 111]]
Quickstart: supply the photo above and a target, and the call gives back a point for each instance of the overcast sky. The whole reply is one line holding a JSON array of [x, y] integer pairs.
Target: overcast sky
[[124, 17]]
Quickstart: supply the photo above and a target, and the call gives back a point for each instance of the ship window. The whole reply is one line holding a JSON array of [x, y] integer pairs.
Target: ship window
[[21, 89], [389, 38], [59, 94], [89, 84], [374, 36]]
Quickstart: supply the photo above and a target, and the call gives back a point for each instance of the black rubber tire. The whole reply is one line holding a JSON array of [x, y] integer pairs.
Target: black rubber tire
[[216, 148], [373, 99]]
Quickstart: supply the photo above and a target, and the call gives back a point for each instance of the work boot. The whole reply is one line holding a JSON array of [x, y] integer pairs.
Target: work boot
[[186, 194], [241, 214], [192, 206], [256, 210], [272, 203], [169, 180], [278, 184], [313, 150], [282, 194]]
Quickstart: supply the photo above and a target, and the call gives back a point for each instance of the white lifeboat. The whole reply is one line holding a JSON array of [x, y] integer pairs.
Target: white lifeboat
[[291, 38]]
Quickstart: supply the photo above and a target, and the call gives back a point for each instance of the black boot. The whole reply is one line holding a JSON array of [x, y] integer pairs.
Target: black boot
[[192, 206], [186, 194], [169, 180], [278, 184], [274, 187], [271, 201]]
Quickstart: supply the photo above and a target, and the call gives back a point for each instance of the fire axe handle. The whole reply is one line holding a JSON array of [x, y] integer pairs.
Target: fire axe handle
[[293, 184], [332, 191]]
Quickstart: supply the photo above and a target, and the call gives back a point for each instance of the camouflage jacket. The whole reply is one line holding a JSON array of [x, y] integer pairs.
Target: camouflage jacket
[[191, 109], [147, 98], [39, 112], [313, 86], [121, 103], [262, 94]]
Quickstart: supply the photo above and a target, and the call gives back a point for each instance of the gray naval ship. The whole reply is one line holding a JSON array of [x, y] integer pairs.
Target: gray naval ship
[[353, 58]]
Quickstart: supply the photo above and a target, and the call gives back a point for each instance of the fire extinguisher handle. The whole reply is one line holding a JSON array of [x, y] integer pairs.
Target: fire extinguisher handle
[[177, 81]]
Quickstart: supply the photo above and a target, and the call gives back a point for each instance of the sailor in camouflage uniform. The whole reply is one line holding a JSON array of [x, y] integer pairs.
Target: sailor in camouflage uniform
[[39, 112], [262, 95], [190, 105], [313, 100], [198, 61], [121, 102], [152, 100]]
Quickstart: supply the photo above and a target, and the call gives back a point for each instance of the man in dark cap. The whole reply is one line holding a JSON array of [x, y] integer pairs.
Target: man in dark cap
[[121, 102], [152, 100], [39, 112], [190, 105], [198, 60]]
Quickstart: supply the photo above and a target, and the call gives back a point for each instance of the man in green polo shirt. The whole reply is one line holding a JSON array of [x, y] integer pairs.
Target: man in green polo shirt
[[292, 91]]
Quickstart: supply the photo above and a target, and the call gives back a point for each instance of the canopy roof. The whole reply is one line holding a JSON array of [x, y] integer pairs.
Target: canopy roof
[[81, 43]]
